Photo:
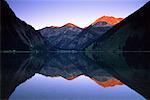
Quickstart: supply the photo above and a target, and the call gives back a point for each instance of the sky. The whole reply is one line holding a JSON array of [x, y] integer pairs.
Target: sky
[[45, 13]]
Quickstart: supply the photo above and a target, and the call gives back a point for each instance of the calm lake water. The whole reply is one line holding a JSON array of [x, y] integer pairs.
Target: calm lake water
[[75, 76]]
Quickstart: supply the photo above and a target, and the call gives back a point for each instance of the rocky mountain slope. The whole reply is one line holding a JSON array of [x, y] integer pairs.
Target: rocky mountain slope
[[131, 34], [15, 33], [60, 37], [71, 37]]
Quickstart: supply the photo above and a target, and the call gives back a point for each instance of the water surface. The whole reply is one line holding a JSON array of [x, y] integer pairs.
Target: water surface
[[74, 76], [81, 88]]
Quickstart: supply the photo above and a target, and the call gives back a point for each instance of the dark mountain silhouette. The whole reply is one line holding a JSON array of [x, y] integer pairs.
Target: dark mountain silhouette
[[16, 34], [131, 34]]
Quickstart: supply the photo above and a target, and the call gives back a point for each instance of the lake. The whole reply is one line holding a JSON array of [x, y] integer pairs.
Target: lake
[[75, 76]]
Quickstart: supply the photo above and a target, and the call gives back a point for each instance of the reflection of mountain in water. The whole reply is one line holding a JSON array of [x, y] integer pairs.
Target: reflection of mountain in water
[[130, 68], [18, 68], [72, 66]]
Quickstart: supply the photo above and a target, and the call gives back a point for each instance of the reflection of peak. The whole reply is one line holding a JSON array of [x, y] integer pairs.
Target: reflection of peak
[[71, 78], [108, 83], [109, 19], [73, 66], [70, 25]]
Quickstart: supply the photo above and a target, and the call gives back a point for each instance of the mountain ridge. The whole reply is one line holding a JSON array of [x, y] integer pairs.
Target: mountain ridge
[[72, 37], [109, 19], [17, 34], [128, 35], [70, 25]]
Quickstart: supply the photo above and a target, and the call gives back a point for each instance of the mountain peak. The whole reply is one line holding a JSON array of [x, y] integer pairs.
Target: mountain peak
[[70, 25], [54, 26], [109, 19]]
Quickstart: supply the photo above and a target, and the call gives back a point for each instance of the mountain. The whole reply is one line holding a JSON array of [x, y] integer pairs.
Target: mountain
[[72, 37], [16, 34], [95, 31], [131, 34], [109, 20], [60, 37], [70, 25]]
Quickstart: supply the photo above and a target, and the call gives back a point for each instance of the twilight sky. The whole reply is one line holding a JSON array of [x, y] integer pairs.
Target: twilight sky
[[42, 13]]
